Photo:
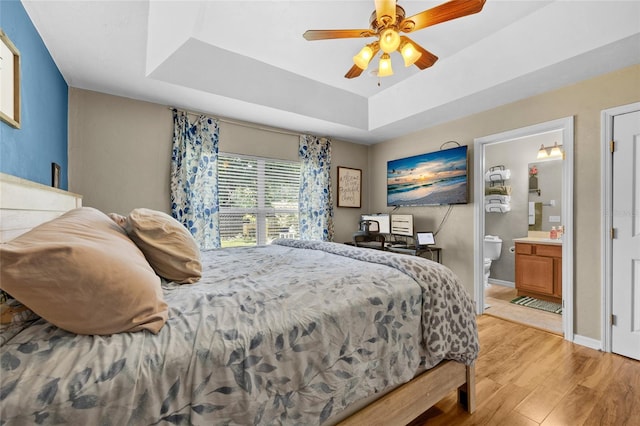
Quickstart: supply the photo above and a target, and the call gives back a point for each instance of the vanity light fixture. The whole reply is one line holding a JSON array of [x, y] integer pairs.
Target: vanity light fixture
[[555, 151], [550, 152]]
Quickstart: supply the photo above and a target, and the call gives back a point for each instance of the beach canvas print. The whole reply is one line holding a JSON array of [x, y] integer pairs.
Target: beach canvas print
[[434, 178]]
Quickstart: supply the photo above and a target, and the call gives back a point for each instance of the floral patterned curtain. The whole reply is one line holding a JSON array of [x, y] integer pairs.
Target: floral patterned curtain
[[194, 177], [316, 207]]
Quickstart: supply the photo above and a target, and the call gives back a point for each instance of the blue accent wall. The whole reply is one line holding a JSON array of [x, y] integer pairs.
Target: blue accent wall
[[42, 139]]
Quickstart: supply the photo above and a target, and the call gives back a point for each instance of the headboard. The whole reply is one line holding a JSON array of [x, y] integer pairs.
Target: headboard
[[25, 204]]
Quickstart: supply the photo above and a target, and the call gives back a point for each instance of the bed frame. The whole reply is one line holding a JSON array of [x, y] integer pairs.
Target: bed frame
[[408, 401], [25, 204]]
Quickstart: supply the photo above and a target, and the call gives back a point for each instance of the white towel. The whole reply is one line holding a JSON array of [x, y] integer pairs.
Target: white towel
[[496, 175], [532, 213], [500, 199], [497, 208]]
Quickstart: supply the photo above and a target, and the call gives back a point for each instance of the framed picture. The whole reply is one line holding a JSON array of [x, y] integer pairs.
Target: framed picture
[[349, 187], [431, 179], [55, 175], [9, 82]]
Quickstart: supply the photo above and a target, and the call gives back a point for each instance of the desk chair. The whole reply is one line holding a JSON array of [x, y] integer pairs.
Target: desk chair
[[370, 241]]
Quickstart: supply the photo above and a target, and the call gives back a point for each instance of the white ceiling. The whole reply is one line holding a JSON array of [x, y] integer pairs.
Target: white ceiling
[[247, 60]]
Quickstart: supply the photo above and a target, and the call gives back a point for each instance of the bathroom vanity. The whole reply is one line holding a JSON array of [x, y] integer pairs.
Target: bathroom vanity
[[539, 268]]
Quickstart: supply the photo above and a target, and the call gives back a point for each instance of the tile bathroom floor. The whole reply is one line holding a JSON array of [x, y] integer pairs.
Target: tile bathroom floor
[[498, 299]]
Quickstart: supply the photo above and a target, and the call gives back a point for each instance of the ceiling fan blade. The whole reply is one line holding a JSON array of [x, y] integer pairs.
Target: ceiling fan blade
[[329, 34], [427, 59], [355, 71], [386, 8], [445, 12]]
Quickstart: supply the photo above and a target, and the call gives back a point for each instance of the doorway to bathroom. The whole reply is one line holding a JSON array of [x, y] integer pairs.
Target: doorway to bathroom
[[519, 207]]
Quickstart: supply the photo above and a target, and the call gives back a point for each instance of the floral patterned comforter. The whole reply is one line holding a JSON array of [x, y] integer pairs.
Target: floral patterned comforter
[[289, 333]]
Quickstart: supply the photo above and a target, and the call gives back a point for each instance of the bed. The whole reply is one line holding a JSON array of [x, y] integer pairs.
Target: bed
[[296, 332]]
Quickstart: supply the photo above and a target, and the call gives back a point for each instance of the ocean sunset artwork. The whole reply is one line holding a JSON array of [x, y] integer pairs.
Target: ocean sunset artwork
[[434, 178]]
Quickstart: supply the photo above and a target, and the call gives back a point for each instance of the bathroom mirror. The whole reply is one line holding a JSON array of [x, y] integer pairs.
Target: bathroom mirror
[[545, 195]]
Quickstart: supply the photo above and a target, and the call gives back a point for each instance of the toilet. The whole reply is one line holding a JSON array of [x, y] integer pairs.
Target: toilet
[[492, 248]]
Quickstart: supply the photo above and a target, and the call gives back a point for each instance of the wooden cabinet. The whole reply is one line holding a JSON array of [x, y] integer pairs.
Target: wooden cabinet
[[539, 271]]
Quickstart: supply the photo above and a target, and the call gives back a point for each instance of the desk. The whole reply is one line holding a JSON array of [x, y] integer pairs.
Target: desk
[[375, 245], [431, 253]]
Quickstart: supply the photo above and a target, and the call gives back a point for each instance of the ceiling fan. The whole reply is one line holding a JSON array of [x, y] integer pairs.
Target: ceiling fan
[[386, 23]]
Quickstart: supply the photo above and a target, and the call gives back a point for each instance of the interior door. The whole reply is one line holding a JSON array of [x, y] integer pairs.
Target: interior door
[[625, 333]]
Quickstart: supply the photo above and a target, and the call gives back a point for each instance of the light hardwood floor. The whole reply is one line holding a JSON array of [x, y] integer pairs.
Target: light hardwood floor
[[498, 299], [527, 376]]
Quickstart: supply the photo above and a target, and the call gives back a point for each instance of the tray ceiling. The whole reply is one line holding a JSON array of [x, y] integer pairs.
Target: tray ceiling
[[247, 60]]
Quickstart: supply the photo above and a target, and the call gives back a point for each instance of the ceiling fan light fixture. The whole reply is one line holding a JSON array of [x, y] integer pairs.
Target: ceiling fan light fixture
[[363, 57], [384, 67], [389, 40], [409, 53], [386, 23]]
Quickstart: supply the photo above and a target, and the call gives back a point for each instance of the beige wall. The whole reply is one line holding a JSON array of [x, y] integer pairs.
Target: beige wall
[[120, 151], [584, 101]]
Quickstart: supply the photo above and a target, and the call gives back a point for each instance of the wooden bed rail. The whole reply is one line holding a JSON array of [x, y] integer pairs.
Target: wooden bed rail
[[405, 403]]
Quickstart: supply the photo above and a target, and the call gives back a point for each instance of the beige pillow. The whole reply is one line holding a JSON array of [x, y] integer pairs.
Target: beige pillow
[[82, 273], [167, 244], [119, 219]]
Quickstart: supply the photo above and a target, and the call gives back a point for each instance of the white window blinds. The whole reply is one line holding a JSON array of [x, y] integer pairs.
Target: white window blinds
[[258, 199]]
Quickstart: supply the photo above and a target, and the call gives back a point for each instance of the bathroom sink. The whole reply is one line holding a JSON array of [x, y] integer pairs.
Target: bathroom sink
[[538, 240]]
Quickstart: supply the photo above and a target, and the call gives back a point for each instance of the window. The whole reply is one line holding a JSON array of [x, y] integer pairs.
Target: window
[[258, 199]]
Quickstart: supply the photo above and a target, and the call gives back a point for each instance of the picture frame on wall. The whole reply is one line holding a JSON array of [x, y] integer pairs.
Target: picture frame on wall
[[55, 175], [349, 187], [9, 82], [431, 179]]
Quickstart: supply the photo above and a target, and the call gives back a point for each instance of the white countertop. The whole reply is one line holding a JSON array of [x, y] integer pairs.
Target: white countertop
[[538, 240]]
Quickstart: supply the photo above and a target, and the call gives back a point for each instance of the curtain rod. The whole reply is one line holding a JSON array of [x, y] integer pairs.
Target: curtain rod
[[241, 123]]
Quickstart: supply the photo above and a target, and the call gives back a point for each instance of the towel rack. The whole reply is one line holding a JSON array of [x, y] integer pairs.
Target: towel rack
[[497, 182], [496, 203]]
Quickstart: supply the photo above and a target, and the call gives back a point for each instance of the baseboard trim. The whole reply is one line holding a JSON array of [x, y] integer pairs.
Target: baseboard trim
[[502, 282], [587, 341]]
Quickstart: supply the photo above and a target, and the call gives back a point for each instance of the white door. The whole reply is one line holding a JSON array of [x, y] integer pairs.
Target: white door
[[625, 333]]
